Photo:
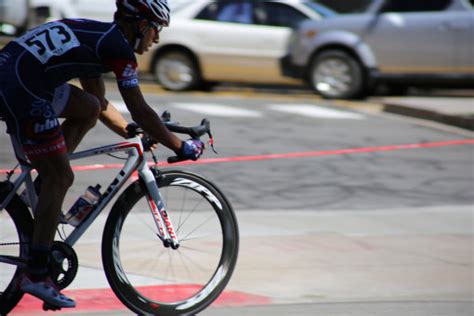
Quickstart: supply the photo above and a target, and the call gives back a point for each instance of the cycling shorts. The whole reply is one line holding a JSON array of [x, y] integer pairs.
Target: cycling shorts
[[32, 117]]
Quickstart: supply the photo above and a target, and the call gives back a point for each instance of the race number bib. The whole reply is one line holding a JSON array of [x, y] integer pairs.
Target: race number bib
[[48, 40]]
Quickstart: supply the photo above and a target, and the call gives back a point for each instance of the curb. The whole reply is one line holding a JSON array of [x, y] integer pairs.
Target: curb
[[465, 121]]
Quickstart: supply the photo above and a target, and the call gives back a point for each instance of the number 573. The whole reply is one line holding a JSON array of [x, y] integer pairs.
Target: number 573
[[44, 39]]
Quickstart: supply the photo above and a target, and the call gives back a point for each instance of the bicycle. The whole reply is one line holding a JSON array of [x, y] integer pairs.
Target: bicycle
[[201, 252]]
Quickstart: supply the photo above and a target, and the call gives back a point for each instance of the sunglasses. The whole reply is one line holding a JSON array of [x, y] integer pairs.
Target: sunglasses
[[158, 27]]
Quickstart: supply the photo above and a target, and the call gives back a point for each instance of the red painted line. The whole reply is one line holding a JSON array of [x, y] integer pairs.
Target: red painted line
[[99, 300], [289, 155]]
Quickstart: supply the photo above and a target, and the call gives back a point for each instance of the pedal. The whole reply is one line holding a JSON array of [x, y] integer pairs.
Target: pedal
[[50, 307]]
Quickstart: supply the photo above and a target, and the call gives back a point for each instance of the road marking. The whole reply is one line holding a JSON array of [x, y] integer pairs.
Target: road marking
[[202, 108], [120, 106], [309, 110], [216, 110], [221, 110], [304, 154], [101, 300]]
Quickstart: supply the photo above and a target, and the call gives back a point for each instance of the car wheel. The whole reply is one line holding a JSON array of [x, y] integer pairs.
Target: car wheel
[[337, 75], [176, 71]]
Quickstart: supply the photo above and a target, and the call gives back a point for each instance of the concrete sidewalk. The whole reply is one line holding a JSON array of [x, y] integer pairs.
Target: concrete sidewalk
[[411, 261], [451, 110], [415, 261]]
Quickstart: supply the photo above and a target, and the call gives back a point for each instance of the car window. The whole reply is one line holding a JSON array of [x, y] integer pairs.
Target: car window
[[415, 5], [320, 9], [235, 12], [278, 14], [352, 6], [229, 11]]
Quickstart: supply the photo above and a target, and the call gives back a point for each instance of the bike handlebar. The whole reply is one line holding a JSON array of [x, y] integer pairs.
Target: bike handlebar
[[193, 131]]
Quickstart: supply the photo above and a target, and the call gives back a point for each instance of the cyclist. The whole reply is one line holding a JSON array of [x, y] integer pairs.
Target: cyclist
[[34, 69]]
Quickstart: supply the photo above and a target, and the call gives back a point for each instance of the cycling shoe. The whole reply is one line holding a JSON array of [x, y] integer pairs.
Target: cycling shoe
[[46, 291], [48, 307]]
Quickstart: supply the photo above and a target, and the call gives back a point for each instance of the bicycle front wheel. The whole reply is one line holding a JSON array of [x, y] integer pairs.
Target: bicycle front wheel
[[150, 278], [15, 232]]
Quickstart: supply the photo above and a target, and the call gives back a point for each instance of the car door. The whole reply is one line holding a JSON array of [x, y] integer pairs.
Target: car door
[[461, 25], [238, 44], [276, 19], [408, 37]]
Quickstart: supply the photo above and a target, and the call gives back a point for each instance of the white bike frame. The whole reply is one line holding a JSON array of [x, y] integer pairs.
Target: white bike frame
[[135, 162]]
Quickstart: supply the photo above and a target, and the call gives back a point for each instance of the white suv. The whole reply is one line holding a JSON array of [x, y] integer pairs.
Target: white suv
[[215, 41]]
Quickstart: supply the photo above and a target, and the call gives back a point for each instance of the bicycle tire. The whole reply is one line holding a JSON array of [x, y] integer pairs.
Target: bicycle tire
[[123, 248], [16, 226]]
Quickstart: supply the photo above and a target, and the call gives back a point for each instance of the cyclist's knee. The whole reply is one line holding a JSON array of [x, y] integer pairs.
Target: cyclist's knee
[[55, 172], [94, 109], [91, 110], [68, 177], [61, 178], [95, 106], [83, 107]]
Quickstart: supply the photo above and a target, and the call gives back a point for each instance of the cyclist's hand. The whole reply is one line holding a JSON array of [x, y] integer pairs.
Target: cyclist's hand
[[148, 142], [191, 149]]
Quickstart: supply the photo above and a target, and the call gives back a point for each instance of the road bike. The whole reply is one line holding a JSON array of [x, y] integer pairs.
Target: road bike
[[169, 245]]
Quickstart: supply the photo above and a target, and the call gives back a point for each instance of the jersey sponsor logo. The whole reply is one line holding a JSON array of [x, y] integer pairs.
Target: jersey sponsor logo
[[124, 68], [44, 150], [131, 83], [48, 124], [42, 129], [41, 108], [129, 71]]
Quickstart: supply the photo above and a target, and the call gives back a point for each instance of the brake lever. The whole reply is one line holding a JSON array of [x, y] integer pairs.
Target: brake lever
[[211, 142]]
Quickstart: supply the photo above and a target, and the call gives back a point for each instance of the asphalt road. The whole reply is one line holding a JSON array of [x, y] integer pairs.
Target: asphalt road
[[310, 211], [353, 181]]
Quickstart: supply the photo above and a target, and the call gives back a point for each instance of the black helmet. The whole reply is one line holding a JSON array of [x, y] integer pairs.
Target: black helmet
[[156, 11]]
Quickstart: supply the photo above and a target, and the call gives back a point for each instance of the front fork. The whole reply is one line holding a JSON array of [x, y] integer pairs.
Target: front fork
[[166, 231]]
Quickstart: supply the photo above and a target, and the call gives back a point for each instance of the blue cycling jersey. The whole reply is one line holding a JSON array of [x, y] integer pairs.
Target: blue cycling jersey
[[34, 65], [75, 48]]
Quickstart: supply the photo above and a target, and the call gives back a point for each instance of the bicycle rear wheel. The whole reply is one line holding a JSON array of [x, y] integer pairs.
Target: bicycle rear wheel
[[152, 279], [15, 232]]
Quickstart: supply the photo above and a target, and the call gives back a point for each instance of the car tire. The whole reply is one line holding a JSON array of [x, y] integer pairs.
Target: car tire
[[335, 74], [176, 71]]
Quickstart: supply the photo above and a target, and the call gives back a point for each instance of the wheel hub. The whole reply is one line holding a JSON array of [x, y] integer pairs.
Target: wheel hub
[[332, 76]]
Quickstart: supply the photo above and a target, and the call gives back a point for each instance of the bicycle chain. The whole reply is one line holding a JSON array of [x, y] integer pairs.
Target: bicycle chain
[[13, 243]]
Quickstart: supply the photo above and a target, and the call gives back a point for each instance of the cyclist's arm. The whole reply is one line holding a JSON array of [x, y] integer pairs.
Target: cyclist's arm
[[147, 118], [109, 115]]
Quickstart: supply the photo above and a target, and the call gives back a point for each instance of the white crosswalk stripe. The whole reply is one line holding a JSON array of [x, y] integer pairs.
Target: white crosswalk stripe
[[217, 110], [120, 106], [315, 111], [222, 110]]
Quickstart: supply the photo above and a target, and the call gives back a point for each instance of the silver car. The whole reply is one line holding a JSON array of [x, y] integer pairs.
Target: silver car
[[396, 43], [232, 40]]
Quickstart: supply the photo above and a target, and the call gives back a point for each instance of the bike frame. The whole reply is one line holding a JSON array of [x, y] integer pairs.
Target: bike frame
[[135, 162]]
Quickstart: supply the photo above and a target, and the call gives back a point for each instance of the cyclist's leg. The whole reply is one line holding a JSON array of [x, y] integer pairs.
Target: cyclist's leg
[[36, 126], [81, 111], [26, 107], [57, 176]]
